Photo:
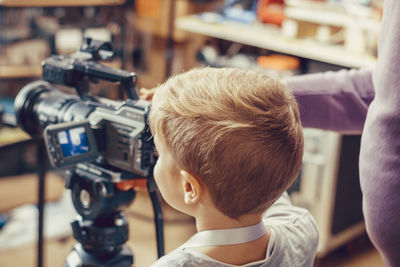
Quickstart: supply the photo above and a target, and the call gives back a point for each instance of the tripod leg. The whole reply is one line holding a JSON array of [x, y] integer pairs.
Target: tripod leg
[[41, 156], [158, 217], [80, 257]]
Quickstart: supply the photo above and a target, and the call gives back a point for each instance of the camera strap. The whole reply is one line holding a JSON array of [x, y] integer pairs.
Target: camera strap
[[222, 237]]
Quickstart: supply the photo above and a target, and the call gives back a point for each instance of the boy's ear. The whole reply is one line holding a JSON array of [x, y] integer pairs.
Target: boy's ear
[[191, 188]]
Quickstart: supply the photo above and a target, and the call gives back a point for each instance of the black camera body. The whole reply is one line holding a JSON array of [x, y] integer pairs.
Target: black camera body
[[118, 135]]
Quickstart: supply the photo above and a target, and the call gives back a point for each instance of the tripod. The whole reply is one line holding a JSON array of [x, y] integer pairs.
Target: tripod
[[102, 229]]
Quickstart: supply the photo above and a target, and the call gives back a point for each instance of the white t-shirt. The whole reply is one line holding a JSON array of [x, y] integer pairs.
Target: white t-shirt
[[293, 241]]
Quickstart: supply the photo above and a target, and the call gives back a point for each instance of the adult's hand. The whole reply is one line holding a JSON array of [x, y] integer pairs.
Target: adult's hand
[[146, 94]]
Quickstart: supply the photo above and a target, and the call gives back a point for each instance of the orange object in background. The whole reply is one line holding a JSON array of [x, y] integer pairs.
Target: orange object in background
[[271, 11], [278, 62], [132, 184], [148, 8]]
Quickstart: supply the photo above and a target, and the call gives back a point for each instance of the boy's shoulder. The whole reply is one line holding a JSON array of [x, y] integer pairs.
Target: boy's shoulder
[[286, 248], [293, 240], [294, 233], [179, 257]]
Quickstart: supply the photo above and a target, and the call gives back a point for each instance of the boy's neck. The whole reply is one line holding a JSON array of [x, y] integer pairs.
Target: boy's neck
[[214, 219], [208, 217], [238, 254], [232, 254]]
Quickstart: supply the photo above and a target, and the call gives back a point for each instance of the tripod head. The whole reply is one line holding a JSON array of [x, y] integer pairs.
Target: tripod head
[[102, 229], [95, 192]]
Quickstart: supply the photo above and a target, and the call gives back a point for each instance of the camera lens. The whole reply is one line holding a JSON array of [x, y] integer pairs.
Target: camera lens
[[24, 105], [39, 104]]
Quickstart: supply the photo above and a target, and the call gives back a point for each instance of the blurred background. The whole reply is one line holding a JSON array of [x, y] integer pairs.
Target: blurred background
[[157, 39]]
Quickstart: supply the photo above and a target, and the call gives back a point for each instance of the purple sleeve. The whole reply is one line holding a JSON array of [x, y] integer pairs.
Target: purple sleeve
[[335, 101], [380, 143]]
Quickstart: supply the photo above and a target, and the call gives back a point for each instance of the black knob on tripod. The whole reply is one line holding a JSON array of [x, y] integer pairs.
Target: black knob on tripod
[[80, 257], [103, 235], [101, 242]]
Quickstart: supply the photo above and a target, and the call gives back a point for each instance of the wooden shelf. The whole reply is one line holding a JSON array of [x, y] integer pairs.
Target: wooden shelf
[[52, 3], [12, 72], [262, 36], [12, 135]]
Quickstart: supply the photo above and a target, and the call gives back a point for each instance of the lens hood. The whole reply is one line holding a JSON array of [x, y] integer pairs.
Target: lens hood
[[24, 104]]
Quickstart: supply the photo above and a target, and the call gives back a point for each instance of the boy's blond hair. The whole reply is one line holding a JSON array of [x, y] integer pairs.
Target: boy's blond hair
[[237, 131]]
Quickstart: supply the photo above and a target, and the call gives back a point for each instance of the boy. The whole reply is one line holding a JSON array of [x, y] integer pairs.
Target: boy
[[230, 143]]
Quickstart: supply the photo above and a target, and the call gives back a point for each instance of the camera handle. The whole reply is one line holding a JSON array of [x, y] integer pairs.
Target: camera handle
[[80, 68], [94, 70], [92, 50]]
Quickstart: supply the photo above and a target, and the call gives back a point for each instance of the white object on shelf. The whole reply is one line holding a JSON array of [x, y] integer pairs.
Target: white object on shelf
[[290, 28], [68, 40], [101, 34], [355, 38]]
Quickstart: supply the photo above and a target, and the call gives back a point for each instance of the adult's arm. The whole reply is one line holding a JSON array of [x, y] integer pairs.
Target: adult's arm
[[380, 143], [335, 101]]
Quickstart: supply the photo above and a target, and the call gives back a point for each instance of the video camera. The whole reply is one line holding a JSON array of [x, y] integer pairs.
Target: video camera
[[106, 142], [85, 128]]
